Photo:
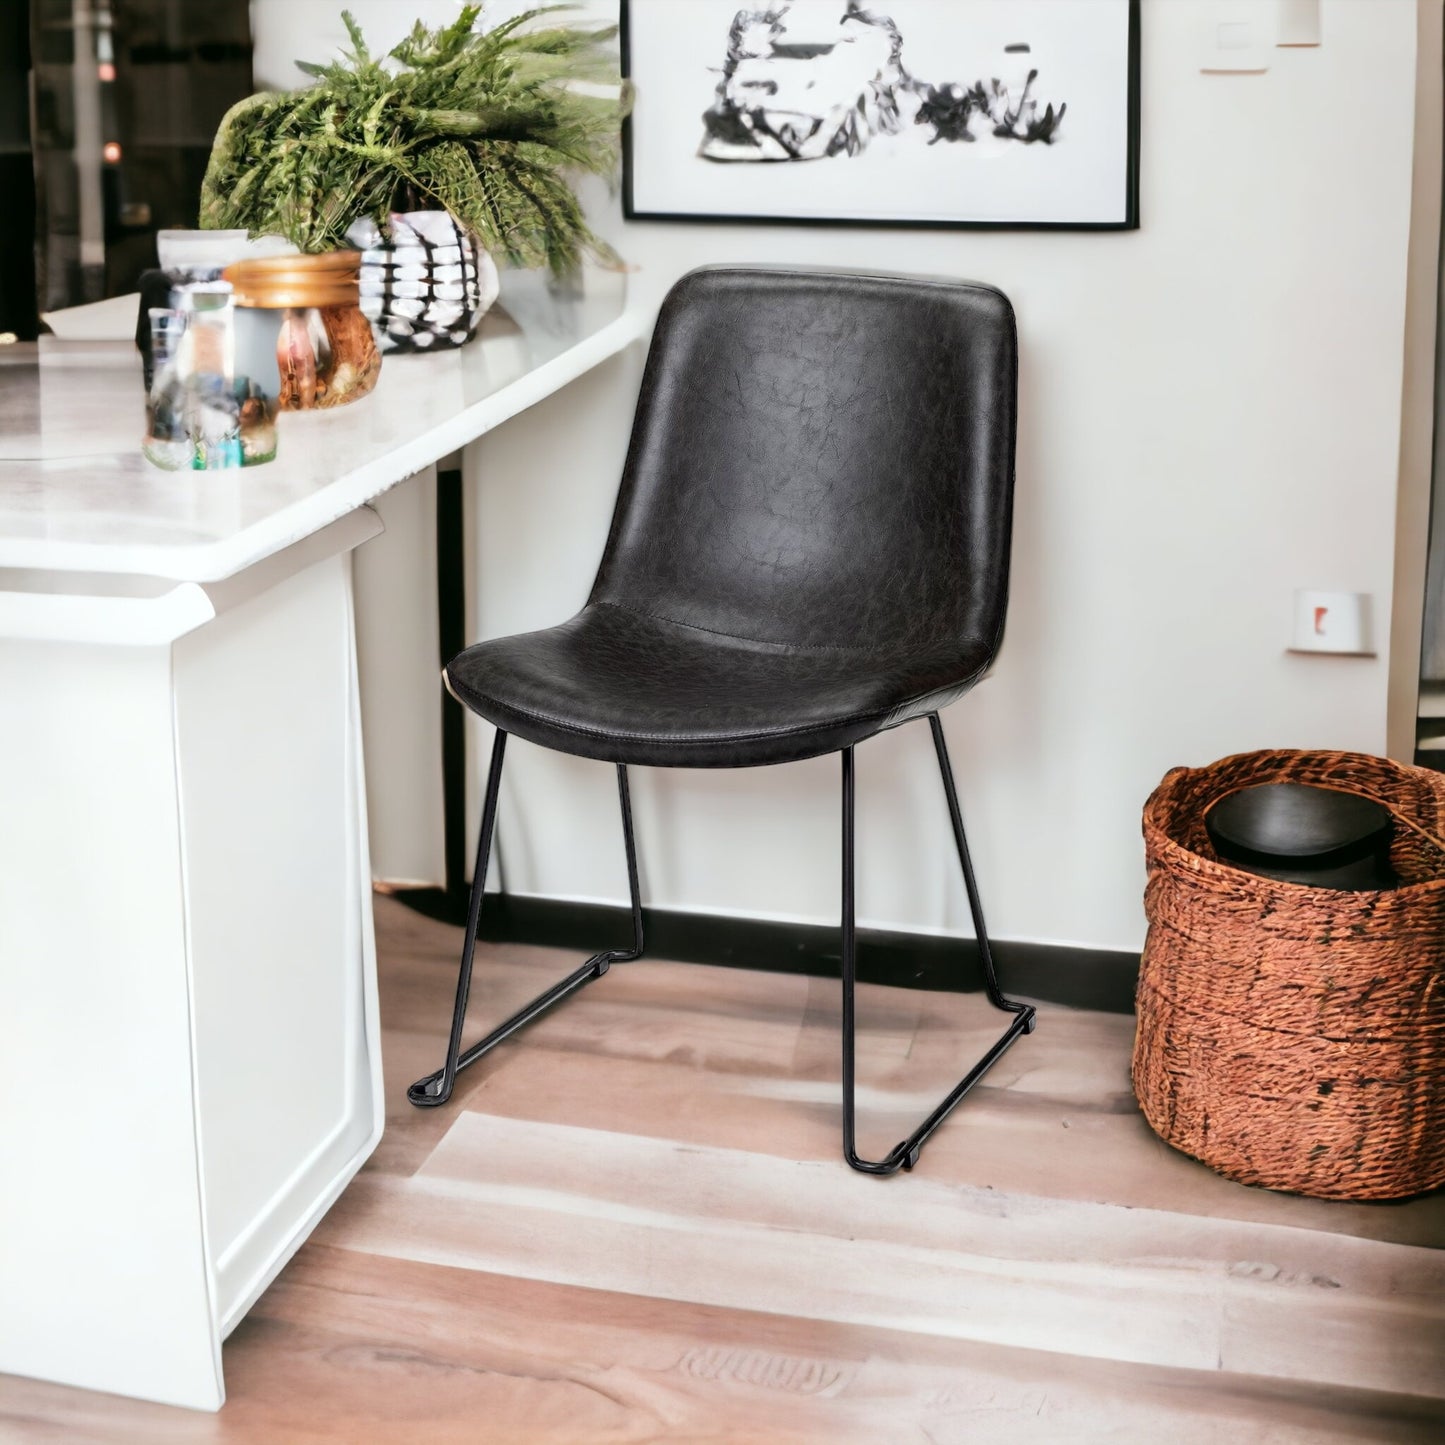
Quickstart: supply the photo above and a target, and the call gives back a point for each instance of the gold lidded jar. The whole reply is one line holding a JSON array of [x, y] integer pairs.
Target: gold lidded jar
[[300, 335]]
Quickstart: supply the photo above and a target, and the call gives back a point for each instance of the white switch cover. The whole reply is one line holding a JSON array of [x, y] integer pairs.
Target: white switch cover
[[1337, 622], [1236, 35], [1298, 22]]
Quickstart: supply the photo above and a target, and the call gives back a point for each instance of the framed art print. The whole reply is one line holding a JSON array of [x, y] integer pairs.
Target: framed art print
[[1002, 113]]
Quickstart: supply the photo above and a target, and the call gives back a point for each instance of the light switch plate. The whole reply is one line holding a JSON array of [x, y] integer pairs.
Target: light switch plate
[[1338, 622], [1236, 36], [1297, 22]]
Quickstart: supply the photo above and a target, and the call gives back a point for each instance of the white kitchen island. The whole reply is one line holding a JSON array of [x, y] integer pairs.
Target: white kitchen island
[[189, 1060]]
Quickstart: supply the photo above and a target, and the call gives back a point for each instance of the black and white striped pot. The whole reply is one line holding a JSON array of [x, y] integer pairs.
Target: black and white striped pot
[[425, 280]]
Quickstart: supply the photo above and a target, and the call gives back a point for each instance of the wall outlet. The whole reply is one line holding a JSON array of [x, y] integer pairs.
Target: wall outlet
[[1338, 622]]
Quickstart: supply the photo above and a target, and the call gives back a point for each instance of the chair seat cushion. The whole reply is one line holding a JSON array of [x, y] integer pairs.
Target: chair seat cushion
[[629, 687]]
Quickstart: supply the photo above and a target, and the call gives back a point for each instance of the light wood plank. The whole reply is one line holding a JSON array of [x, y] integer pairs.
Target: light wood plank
[[803, 1238], [682, 1121], [751, 1060], [348, 1347]]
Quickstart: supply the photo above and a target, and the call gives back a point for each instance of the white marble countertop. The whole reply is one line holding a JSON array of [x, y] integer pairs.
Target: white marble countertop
[[76, 495]]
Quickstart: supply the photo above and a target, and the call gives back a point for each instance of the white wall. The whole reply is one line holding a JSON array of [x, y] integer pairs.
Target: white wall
[[289, 30], [1210, 417]]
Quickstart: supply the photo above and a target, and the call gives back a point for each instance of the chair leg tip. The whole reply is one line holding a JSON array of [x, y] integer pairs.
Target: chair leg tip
[[428, 1093]]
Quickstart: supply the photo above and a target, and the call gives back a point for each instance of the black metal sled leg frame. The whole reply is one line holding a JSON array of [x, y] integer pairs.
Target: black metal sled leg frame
[[436, 1088], [905, 1155]]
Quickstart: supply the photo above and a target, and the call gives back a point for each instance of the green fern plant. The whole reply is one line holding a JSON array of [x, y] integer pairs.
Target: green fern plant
[[484, 125]]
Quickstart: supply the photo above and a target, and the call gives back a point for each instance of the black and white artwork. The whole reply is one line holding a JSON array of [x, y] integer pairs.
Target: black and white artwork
[[905, 112]]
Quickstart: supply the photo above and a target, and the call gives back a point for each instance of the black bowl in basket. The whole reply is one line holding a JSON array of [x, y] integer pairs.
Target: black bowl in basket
[[1300, 833]]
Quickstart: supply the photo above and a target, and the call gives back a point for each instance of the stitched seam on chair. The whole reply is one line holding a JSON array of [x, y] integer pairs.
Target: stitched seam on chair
[[963, 685], [670, 737], [738, 637], [852, 718]]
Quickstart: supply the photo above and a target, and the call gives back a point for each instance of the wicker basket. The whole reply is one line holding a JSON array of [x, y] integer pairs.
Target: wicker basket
[[1289, 1036]]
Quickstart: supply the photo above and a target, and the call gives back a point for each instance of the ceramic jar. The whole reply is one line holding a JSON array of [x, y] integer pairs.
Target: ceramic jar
[[425, 280]]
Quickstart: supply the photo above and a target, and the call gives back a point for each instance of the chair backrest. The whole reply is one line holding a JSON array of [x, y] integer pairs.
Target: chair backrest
[[821, 460]]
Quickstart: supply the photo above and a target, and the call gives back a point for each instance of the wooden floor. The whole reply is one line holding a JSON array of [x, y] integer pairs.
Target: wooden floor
[[632, 1225]]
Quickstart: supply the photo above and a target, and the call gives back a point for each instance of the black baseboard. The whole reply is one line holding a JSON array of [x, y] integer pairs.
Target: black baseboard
[[1093, 978]]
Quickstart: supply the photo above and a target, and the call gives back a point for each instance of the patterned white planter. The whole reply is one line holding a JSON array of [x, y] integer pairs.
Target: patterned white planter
[[425, 281]]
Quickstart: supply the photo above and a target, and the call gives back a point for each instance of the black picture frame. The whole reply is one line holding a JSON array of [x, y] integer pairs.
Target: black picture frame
[[1129, 221]]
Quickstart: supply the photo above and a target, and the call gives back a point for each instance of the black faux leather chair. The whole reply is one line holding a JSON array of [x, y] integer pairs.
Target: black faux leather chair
[[810, 545]]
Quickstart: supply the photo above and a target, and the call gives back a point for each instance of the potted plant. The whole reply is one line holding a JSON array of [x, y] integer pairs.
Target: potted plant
[[453, 149]]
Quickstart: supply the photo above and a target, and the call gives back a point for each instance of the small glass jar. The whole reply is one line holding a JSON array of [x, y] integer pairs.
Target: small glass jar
[[302, 342], [213, 397], [200, 415], [168, 437]]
